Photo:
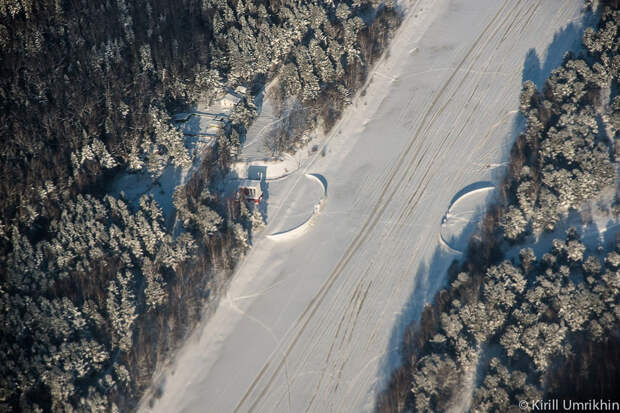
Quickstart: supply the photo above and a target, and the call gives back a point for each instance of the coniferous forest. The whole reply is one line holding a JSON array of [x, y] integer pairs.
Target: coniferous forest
[[96, 292], [523, 319]]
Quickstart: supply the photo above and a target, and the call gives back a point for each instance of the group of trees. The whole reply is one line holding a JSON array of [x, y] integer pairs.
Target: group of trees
[[92, 307], [526, 327], [319, 77], [562, 159], [506, 330], [97, 291], [70, 302], [75, 73]]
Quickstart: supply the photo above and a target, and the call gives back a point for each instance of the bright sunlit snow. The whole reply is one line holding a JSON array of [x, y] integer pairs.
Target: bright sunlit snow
[[312, 322]]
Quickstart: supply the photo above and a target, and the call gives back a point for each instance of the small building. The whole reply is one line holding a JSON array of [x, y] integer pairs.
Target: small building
[[251, 190], [240, 90], [229, 100]]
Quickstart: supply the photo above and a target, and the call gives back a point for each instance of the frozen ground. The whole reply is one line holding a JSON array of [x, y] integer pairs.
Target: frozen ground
[[312, 323]]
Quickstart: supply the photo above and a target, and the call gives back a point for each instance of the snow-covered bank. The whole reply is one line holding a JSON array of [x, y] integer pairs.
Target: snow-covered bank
[[307, 323], [463, 216], [292, 232]]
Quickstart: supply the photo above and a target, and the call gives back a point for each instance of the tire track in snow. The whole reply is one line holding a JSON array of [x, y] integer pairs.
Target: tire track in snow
[[448, 101], [438, 113], [527, 22], [459, 133], [464, 124], [474, 92], [460, 173], [369, 225], [405, 110], [439, 152], [345, 317]]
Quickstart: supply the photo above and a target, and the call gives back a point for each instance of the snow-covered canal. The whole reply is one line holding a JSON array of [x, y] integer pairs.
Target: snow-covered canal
[[307, 324]]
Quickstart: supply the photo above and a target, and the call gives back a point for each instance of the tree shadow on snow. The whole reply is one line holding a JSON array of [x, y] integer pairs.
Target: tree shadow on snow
[[429, 278], [263, 205], [566, 40]]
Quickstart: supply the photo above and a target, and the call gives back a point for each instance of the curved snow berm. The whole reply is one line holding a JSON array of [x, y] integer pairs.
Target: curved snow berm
[[308, 323], [300, 229], [461, 219]]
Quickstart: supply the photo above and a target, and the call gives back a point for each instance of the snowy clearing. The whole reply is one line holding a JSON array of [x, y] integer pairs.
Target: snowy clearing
[[200, 129], [311, 324]]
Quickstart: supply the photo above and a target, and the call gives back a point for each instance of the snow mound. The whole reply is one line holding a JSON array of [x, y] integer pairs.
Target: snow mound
[[320, 179], [463, 216], [300, 229]]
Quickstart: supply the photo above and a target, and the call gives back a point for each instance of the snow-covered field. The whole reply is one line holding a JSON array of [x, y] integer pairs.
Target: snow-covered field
[[312, 323]]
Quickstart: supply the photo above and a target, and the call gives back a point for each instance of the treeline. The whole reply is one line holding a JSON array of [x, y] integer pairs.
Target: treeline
[[318, 79], [544, 324], [95, 290], [90, 311], [83, 85]]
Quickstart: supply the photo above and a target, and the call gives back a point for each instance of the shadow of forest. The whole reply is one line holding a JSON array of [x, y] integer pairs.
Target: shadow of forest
[[431, 276]]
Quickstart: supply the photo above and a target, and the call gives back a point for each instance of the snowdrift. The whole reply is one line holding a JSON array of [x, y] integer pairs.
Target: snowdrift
[[463, 215], [300, 229]]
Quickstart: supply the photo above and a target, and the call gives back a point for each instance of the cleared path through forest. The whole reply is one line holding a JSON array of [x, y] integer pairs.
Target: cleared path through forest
[[307, 323]]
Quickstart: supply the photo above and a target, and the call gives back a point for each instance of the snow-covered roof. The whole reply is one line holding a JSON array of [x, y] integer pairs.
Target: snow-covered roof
[[229, 100]]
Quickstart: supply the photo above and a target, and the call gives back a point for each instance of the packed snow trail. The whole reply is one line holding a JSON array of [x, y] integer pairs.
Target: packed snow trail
[[307, 323]]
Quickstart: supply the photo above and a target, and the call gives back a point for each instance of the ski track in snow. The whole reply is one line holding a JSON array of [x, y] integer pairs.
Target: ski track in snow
[[306, 324]]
